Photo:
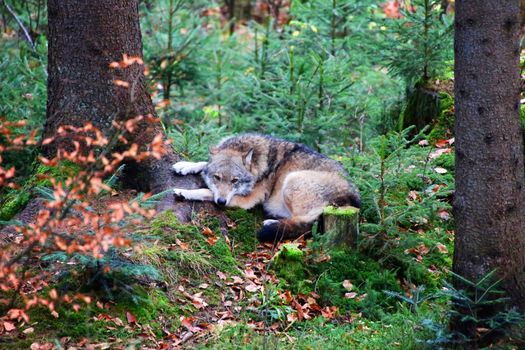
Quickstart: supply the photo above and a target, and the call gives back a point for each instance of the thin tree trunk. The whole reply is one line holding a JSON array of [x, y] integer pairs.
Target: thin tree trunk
[[489, 199]]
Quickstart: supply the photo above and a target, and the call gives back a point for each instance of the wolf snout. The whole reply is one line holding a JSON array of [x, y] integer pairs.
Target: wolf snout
[[221, 201]]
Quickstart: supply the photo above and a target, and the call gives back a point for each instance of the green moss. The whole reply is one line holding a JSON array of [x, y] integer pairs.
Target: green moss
[[222, 256], [145, 304], [345, 212], [246, 223], [59, 172], [289, 264], [166, 220], [368, 278], [443, 127], [446, 161], [14, 201], [201, 256], [289, 252], [397, 331], [69, 323]]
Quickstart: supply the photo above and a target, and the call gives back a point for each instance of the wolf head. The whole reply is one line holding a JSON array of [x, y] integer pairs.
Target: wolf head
[[227, 174]]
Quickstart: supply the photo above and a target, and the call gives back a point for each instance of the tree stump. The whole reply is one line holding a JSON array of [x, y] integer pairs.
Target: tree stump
[[341, 227]]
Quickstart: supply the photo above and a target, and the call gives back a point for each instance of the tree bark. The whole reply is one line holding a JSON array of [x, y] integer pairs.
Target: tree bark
[[84, 38], [340, 227], [489, 199]]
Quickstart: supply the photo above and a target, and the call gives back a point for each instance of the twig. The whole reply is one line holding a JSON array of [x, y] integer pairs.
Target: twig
[[24, 29]]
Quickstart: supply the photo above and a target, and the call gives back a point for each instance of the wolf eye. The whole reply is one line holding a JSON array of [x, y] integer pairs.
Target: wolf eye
[[217, 177], [235, 180]]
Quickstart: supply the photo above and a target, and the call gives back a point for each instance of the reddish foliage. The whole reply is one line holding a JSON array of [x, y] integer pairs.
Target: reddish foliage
[[391, 9], [67, 222]]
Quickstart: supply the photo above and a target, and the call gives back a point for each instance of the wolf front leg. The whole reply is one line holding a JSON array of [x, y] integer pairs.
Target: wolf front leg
[[201, 194], [185, 168]]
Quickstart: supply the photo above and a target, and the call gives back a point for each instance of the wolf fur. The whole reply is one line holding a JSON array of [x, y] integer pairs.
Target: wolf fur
[[291, 181]]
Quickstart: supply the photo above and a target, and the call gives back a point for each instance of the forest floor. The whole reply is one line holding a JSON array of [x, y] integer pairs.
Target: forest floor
[[200, 285]]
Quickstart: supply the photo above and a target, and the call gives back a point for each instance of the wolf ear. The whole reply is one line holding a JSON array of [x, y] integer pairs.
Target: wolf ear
[[213, 150], [247, 158]]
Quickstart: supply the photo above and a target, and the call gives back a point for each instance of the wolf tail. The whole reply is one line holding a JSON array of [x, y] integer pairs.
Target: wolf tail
[[278, 230], [296, 226]]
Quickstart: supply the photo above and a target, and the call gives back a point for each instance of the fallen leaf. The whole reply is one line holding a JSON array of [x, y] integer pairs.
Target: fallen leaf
[[329, 312], [53, 294], [183, 246], [212, 240], [187, 322], [197, 301], [287, 296], [322, 258], [9, 326], [444, 215], [292, 317], [413, 195], [130, 317], [350, 295], [441, 143], [237, 280], [248, 273], [442, 248], [361, 297], [439, 152], [207, 231], [252, 287], [348, 285]]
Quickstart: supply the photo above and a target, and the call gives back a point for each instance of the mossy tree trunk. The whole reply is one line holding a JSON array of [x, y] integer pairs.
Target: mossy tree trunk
[[489, 199], [422, 106]]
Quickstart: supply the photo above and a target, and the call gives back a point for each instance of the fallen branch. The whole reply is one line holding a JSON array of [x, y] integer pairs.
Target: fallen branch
[[24, 29]]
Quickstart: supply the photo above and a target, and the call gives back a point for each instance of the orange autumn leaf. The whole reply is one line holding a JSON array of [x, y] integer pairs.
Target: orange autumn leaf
[[130, 317]]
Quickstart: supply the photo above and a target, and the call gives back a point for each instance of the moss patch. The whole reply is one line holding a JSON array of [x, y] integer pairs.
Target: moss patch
[[443, 126], [368, 279], [12, 204], [289, 264], [244, 226], [14, 200], [344, 212]]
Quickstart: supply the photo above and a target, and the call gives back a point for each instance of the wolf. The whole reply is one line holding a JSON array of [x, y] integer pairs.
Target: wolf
[[292, 182]]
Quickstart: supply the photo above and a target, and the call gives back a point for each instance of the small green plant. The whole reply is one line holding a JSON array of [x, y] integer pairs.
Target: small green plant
[[478, 314], [414, 298], [419, 44], [404, 198], [112, 276]]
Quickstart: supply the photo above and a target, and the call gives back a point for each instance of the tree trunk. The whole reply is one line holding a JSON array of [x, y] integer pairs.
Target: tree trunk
[[84, 38], [489, 199]]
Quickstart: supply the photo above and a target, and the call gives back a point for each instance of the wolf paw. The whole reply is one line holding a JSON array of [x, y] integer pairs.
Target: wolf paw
[[269, 222], [180, 193], [183, 168]]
